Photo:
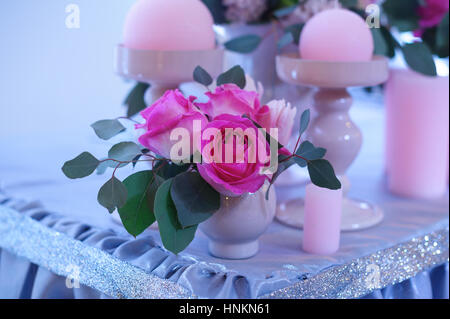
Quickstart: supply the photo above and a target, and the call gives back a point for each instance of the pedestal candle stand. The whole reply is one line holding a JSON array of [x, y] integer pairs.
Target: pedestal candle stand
[[332, 127], [165, 70]]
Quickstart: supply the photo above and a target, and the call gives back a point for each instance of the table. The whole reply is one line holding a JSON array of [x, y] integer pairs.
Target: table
[[66, 233]]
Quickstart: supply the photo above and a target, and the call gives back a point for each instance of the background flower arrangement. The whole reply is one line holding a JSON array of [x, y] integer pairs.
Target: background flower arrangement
[[178, 194], [427, 19], [289, 17]]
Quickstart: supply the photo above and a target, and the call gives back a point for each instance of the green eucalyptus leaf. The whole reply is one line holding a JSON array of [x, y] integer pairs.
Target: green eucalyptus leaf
[[81, 166], [137, 213], [169, 170], [173, 236], [124, 152], [243, 44], [349, 3], [310, 152], [101, 169], [380, 45], [280, 13], [391, 42], [442, 37], [402, 14], [106, 129], [112, 195], [420, 58], [235, 75], [194, 198], [322, 174], [285, 40], [295, 30], [135, 100], [304, 121], [202, 76]]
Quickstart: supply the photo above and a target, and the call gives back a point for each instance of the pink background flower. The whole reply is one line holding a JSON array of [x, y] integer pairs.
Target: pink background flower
[[432, 13], [278, 114]]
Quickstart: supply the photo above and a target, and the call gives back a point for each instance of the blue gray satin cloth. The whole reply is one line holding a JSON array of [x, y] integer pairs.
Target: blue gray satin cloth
[[201, 275]]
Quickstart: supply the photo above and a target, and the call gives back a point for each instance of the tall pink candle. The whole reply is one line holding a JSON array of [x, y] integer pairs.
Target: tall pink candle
[[417, 134], [322, 224]]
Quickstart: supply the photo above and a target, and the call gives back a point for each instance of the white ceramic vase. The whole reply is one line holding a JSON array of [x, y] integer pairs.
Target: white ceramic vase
[[234, 230]]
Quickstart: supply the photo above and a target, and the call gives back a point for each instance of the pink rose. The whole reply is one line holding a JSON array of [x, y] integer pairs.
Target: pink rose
[[169, 112], [230, 99], [277, 114], [431, 14], [228, 172]]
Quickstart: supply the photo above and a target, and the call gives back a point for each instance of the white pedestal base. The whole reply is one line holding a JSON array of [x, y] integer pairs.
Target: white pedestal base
[[356, 215], [233, 251]]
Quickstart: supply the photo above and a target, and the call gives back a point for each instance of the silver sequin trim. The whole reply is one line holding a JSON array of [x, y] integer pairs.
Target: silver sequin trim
[[113, 277], [57, 252]]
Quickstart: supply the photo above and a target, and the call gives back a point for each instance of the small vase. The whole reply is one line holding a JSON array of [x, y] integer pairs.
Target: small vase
[[234, 230]]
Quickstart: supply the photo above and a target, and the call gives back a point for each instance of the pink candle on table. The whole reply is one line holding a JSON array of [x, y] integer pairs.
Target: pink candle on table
[[417, 134], [169, 25], [336, 35], [322, 224]]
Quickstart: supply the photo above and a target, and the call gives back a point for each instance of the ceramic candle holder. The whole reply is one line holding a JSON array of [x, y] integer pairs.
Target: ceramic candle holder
[[165, 70], [332, 128]]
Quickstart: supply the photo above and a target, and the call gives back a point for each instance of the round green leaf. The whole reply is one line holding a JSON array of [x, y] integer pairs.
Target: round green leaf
[[380, 44], [112, 195], [295, 30], [419, 57], [286, 39], [194, 199], [202, 76], [322, 174], [137, 213], [243, 44], [304, 121], [124, 152], [310, 152], [442, 38], [173, 236], [106, 129], [280, 13], [135, 100], [81, 166], [235, 75]]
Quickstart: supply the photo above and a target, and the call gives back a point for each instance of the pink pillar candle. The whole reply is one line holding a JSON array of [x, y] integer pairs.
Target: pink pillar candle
[[322, 224], [417, 134], [336, 35], [169, 25]]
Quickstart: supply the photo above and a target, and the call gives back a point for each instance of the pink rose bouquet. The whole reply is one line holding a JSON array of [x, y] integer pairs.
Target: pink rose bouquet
[[230, 146]]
